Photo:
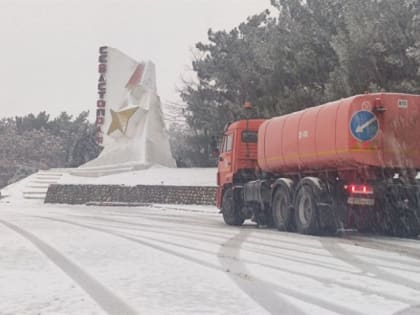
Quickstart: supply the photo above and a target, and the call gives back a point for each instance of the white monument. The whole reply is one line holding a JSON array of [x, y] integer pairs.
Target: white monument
[[129, 117]]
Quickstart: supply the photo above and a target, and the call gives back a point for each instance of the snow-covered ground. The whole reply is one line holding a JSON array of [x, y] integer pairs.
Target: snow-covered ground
[[175, 259], [156, 175]]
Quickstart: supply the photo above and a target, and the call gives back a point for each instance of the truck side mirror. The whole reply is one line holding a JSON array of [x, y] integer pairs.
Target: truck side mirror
[[213, 147], [215, 152]]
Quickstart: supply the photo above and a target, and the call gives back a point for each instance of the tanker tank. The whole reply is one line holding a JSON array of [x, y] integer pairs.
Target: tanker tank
[[373, 130]]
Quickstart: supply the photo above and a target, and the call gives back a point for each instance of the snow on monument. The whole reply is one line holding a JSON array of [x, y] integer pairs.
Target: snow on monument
[[129, 117]]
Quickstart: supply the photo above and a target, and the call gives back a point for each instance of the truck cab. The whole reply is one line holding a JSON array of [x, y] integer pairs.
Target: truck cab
[[238, 155]]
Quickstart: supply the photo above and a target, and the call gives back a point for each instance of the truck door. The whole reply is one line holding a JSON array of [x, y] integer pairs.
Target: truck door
[[224, 175]]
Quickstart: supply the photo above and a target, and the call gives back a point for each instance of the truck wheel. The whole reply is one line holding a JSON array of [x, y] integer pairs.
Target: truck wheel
[[231, 213], [306, 212], [282, 210]]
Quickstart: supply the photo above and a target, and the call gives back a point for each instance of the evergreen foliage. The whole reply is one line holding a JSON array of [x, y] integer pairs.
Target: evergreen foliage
[[31, 143], [313, 52]]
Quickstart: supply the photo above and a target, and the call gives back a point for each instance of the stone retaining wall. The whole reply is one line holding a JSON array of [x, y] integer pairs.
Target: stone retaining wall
[[82, 194]]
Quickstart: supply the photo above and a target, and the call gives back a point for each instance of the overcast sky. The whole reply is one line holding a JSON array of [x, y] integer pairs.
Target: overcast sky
[[49, 48]]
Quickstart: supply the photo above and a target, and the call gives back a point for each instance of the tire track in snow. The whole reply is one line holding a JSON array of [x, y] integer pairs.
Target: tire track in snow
[[268, 234], [238, 275], [194, 233], [412, 310], [204, 240], [322, 280], [259, 292], [108, 301], [325, 281], [262, 294], [195, 228], [162, 215], [173, 231], [384, 246], [340, 253], [211, 220], [216, 233]]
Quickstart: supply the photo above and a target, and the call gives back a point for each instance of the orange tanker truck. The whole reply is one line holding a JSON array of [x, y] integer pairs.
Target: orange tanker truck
[[349, 164]]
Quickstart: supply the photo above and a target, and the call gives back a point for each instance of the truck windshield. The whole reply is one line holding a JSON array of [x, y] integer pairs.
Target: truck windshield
[[249, 136]]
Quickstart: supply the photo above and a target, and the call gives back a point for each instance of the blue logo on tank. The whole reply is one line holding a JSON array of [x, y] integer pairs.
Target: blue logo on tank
[[364, 125]]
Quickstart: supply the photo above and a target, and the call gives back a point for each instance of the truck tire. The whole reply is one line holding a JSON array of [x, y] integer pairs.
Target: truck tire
[[282, 208], [231, 213], [306, 211]]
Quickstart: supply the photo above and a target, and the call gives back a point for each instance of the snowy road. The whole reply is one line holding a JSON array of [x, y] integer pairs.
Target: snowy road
[[156, 260]]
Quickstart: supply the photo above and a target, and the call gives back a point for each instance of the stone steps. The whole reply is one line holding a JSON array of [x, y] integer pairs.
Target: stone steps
[[38, 186], [38, 197], [49, 177], [35, 190], [35, 186]]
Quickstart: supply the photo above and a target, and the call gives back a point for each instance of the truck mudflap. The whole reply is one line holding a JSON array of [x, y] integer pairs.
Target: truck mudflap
[[256, 196], [400, 205], [329, 221]]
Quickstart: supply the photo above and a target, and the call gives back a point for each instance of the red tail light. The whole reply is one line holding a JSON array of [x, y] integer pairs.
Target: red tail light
[[360, 189]]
